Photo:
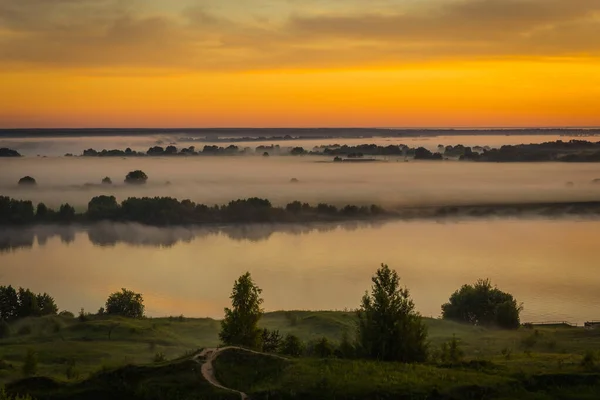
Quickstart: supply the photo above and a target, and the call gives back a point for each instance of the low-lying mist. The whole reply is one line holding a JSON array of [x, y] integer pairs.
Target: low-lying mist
[[217, 180]]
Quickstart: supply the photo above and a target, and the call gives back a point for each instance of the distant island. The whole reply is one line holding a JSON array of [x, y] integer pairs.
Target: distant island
[[167, 211]]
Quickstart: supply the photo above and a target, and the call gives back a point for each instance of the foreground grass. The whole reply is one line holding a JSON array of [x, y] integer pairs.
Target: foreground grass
[[82, 354]]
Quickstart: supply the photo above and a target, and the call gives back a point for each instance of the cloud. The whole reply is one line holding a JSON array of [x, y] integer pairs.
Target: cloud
[[203, 35]]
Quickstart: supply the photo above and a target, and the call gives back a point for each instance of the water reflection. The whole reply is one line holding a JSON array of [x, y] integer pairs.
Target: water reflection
[[108, 234]]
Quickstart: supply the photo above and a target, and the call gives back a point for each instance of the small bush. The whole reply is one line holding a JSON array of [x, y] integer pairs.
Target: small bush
[[346, 349], [30, 366], [83, 316], [24, 330], [71, 372], [506, 352], [589, 361], [323, 348], [159, 357], [292, 346], [530, 341], [4, 329], [66, 314], [450, 352]]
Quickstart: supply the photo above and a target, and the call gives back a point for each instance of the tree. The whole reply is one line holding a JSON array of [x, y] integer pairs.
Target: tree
[[28, 304], [103, 207], [136, 177], [389, 328], [27, 180], [66, 212], [30, 365], [240, 326], [41, 211], [46, 304], [292, 346], [270, 340], [125, 303], [323, 348], [483, 304], [106, 181]]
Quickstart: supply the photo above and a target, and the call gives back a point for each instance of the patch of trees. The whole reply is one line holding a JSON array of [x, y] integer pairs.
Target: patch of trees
[[423, 154], [484, 305], [169, 211], [6, 152], [571, 151], [21, 303], [170, 150]]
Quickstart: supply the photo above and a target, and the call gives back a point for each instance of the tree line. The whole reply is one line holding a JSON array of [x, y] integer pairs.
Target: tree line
[[170, 211], [388, 328]]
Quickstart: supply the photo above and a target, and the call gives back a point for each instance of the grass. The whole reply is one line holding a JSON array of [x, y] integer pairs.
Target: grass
[[79, 357]]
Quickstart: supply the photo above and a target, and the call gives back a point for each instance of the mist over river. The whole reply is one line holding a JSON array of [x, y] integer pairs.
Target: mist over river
[[550, 266]]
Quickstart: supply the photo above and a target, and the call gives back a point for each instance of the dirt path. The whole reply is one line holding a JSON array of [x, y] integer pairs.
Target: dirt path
[[208, 372]]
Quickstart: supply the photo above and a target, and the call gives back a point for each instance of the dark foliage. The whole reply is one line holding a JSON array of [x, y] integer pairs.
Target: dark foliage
[[125, 303], [292, 346], [389, 327], [271, 340], [5, 152], [21, 303], [27, 181], [482, 304], [136, 177], [240, 325], [170, 211]]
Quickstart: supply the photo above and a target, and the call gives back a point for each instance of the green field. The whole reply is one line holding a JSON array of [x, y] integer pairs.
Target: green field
[[111, 356]]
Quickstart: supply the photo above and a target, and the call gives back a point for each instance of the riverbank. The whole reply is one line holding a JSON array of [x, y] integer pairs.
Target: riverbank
[[80, 355]]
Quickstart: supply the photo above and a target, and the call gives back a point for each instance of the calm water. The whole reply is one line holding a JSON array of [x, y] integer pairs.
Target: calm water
[[550, 266]]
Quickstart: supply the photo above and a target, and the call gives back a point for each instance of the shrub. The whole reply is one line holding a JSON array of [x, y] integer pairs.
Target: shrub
[[24, 330], [159, 357], [292, 346], [589, 360], [482, 304], [271, 340], [66, 314], [451, 352], [323, 348], [106, 181], [30, 366], [4, 329], [389, 328], [71, 372], [346, 348]]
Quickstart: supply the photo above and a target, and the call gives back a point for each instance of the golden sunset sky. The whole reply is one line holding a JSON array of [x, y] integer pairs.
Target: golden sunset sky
[[277, 63]]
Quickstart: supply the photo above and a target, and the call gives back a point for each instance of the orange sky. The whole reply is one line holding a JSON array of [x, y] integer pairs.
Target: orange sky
[[401, 63]]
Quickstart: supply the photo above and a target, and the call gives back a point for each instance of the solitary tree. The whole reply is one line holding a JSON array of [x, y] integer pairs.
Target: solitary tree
[[389, 328], [125, 303], [483, 304], [106, 181], [240, 326], [136, 177], [27, 180]]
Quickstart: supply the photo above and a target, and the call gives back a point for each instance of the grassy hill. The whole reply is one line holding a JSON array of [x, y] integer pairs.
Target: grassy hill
[[84, 354]]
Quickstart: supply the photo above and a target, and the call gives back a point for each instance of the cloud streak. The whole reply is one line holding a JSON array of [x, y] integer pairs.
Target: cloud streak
[[198, 36]]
